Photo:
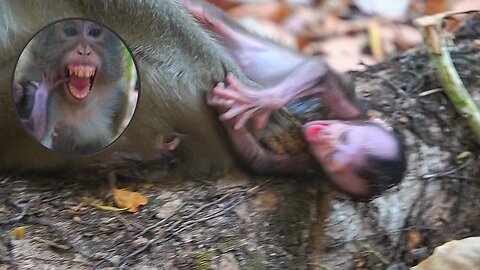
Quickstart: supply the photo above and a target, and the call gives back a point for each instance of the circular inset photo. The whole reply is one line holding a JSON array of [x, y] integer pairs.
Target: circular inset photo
[[75, 87]]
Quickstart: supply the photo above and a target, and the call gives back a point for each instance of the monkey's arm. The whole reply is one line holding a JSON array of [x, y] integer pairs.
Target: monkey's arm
[[251, 153], [38, 118], [310, 78], [260, 160]]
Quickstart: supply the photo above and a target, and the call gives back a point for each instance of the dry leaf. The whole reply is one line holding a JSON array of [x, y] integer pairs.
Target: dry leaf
[[436, 6], [393, 8], [140, 242], [270, 30], [462, 157], [402, 35], [413, 239], [223, 4], [375, 40], [129, 199], [108, 208], [341, 53], [19, 233], [273, 11], [147, 186], [454, 255], [267, 201]]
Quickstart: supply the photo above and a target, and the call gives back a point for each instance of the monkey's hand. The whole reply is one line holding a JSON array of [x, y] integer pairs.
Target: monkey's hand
[[38, 117], [243, 103], [48, 84], [249, 150]]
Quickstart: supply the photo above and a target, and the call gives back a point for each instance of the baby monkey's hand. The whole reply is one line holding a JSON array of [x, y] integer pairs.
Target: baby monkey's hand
[[241, 103]]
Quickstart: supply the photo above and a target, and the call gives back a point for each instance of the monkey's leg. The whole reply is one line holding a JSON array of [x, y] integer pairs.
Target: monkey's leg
[[264, 62]]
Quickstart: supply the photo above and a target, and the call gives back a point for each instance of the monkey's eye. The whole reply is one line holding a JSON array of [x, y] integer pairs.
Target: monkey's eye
[[95, 32], [70, 31], [343, 137]]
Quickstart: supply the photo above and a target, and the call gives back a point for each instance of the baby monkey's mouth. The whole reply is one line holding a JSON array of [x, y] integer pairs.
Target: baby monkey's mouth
[[81, 80]]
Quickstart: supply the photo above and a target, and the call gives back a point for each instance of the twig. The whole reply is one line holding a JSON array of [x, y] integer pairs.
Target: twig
[[184, 224], [161, 222], [319, 266], [63, 260], [22, 214], [437, 42], [375, 252], [448, 172]]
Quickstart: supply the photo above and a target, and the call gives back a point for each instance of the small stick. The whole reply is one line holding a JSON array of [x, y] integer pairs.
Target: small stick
[[437, 42]]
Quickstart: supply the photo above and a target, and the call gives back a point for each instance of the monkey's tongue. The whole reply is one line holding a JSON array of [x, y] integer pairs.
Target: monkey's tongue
[[79, 87]]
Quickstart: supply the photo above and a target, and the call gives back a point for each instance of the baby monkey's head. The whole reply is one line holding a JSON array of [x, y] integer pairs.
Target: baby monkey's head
[[362, 159]]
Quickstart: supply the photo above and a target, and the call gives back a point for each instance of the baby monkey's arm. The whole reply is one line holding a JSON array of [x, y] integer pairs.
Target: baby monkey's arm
[[252, 154], [284, 74], [311, 78], [36, 122]]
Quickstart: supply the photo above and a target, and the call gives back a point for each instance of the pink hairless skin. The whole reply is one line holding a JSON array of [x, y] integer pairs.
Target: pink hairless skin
[[342, 148]]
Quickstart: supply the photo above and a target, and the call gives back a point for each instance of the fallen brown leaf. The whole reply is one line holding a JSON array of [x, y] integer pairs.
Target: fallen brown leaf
[[436, 6], [273, 11], [413, 239], [271, 30], [454, 255], [403, 36], [341, 53], [223, 4], [129, 199], [267, 201], [19, 233]]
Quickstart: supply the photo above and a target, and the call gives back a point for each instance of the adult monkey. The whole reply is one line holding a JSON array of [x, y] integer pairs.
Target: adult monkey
[[172, 53], [177, 61]]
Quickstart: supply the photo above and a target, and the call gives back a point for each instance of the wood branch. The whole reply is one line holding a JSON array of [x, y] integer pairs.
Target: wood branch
[[437, 42]]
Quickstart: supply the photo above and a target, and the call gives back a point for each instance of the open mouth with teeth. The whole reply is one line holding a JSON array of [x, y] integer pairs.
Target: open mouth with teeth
[[81, 80]]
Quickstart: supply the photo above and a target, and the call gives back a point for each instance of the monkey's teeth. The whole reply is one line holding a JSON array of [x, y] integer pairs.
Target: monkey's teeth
[[81, 71]]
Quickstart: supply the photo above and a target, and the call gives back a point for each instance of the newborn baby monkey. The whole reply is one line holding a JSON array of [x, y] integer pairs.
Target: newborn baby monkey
[[361, 158]]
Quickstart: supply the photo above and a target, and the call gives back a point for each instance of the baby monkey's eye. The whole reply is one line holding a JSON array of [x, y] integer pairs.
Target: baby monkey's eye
[[343, 137], [70, 31]]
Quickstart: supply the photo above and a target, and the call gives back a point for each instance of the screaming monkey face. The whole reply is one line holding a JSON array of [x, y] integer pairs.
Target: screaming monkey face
[[75, 87]]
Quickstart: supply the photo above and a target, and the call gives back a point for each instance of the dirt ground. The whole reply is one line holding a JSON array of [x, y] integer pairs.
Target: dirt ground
[[250, 222]]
